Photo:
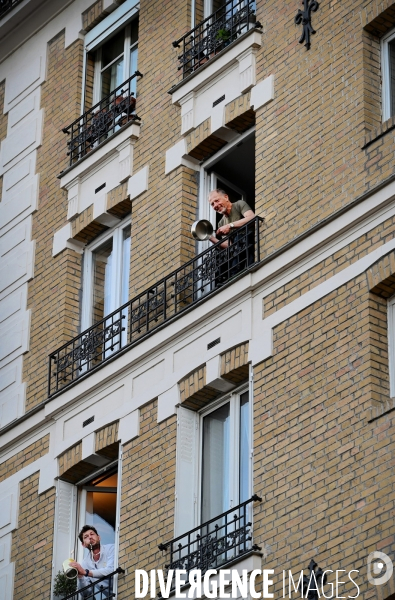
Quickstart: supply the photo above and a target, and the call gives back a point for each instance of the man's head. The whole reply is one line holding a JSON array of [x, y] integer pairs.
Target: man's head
[[220, 202], [88, 536]]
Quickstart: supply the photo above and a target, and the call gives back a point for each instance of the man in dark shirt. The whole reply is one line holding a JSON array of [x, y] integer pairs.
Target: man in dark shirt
[[235, 215]]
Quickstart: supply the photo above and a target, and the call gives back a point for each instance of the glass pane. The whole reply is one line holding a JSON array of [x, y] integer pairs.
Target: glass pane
[[133, 68], [245, 444], [102, 268], [215, 480], [101, 508], [125, 264], [134, 32], [106, 481], [112, 77], [112, 49], [391, 48]]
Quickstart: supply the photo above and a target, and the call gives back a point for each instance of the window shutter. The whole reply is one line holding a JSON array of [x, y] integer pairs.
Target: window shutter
[[65, 521], [187, 460]]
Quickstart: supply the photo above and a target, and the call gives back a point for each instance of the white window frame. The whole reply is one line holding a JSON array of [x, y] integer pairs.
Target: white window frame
[[113, 23], [385, 70], [234, 399], [186, 490], [116, 280], [207, 182], [391, 344], [81, 508]]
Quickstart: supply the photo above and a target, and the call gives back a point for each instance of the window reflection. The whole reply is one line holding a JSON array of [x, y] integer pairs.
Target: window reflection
[[101, 506]]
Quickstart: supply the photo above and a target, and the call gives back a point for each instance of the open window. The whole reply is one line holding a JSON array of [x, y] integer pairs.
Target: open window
[[233, 170], [97, 506]]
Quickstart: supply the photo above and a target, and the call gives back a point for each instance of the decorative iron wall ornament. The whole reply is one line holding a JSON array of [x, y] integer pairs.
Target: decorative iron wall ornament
[[304, 17], [312, 584]]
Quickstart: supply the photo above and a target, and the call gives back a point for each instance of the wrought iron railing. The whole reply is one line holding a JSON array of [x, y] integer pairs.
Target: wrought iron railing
[[7, 5], [214, 543], [102, 120], [169, 297], [215, 33], [100, 589]]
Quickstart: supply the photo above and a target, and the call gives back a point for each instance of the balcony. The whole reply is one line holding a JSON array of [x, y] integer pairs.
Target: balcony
[[112, 114], [6, 6], [157, 306], [214, 544], [101, 589], [215, 33]]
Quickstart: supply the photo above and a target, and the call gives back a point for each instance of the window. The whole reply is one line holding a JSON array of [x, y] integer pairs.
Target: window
[[106, 274], [92, 501], [111, 54], [225, 456], [233, 170], [115, 61], [388, 74], [214, 468], [97, 501]]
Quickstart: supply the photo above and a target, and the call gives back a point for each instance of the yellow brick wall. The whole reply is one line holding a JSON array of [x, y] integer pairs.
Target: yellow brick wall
[[234, 364], [106, 436], [324, 471], [162, 216], [325, 269], [24, 457], [53, 294], [31, 547], [309, 157], [147, 500]]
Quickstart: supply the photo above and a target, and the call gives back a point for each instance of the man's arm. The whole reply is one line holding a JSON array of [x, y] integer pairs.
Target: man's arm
[[247, 216], [109, 568]]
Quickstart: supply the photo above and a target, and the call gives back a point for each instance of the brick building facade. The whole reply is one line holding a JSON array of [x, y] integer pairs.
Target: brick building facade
[[179, 377]]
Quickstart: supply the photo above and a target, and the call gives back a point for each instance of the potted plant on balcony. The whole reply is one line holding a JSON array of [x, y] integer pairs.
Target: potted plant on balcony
[[63, 586], [222, 39]]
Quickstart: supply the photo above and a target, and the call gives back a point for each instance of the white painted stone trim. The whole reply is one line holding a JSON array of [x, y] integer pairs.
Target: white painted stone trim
[[262, 92], [102, 154], [138, 183], [177, 155], [216, 67], [63, 239], [129, 427]]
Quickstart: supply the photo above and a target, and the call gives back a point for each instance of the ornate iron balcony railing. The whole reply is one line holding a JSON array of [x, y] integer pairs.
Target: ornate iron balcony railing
[[214, 543], [215, 33], [102, 120], [153, 308], [7, 5], [101, 589]]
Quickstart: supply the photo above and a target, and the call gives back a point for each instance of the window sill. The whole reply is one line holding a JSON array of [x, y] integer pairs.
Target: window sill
[[100, 153], [379, 132], [216, 65]]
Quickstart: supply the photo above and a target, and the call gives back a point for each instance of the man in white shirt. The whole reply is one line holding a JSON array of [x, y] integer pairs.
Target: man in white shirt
[[97, 562]]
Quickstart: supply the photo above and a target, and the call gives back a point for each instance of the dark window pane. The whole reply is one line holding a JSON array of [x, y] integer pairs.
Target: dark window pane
[[135, 31], [112, 49]]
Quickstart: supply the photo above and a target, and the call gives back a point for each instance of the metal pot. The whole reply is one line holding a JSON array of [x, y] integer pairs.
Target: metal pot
[[70, 572], [202, 230]]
